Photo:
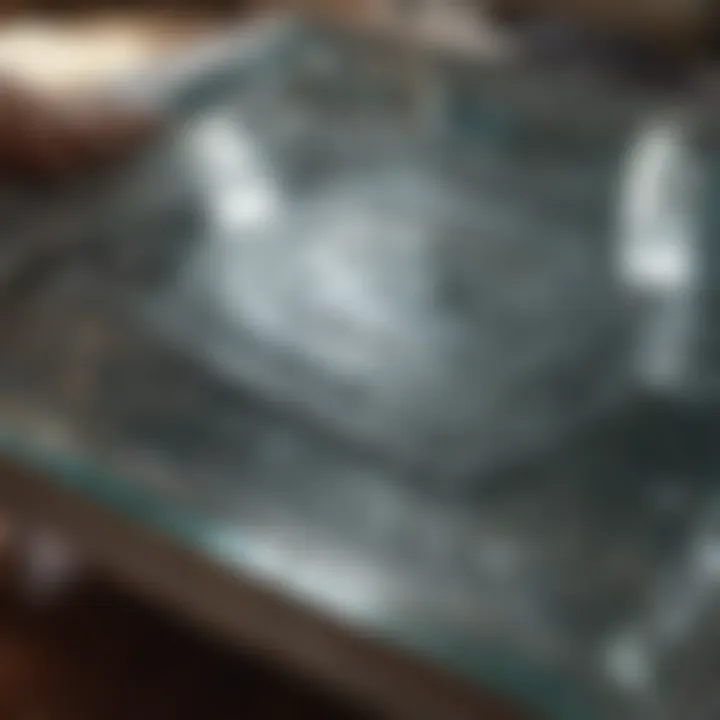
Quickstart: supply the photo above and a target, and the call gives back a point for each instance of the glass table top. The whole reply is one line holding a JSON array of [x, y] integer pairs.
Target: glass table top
[[364, 326]]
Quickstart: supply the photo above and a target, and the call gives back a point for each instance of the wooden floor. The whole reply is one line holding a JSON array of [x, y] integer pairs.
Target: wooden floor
[[97, 654]]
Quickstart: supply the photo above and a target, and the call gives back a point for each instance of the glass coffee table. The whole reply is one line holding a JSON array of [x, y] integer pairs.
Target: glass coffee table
[[285, 374]]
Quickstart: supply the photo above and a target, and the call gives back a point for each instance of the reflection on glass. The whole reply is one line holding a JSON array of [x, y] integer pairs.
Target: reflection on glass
[[236, 183], [659, 252], [310, 568]]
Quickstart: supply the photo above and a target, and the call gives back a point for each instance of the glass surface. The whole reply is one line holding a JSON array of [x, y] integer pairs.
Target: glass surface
[[372, 326]]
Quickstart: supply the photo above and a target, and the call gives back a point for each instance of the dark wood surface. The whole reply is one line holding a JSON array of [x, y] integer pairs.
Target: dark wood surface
[[95, 653]]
